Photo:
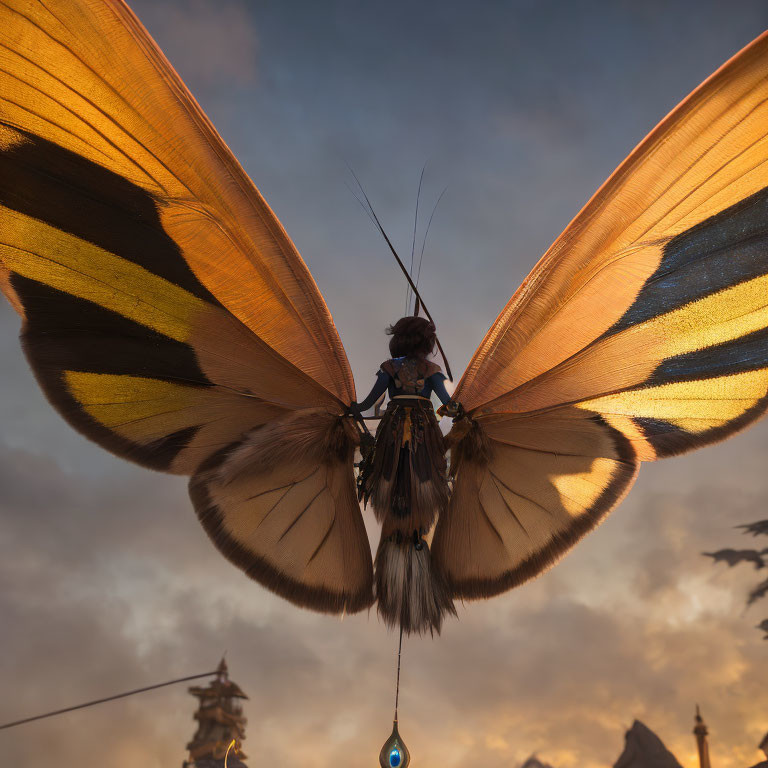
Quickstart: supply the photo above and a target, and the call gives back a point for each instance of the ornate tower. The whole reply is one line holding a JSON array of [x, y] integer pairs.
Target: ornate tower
[[700, 732], [220, 720]]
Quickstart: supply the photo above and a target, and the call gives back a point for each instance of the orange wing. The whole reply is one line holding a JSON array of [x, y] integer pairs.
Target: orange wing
[[642, 332], [166, 313], [535, 487]]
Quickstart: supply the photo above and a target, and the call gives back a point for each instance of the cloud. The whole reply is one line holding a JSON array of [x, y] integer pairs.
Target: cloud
[[211, 44], [114, 586]]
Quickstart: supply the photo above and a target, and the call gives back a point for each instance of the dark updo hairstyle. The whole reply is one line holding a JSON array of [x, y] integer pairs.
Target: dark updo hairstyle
[[412, 337]]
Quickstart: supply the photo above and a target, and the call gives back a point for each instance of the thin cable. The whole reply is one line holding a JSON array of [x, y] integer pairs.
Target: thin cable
[[397, 688], [108, 698]]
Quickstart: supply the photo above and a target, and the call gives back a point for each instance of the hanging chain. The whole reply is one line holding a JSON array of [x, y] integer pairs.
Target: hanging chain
[[397, 688]]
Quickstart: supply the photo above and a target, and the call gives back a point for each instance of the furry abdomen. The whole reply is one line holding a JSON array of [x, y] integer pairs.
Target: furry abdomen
[[410, 593]]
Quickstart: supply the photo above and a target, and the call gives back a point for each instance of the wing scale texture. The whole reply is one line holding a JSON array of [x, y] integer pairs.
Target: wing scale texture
[[166, 313], [642, 333]]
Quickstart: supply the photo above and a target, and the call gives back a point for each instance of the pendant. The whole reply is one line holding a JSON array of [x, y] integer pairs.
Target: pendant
[[394, 753]]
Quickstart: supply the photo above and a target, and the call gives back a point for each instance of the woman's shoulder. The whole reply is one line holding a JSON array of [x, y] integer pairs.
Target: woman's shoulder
[[392, 366], [425, 368]]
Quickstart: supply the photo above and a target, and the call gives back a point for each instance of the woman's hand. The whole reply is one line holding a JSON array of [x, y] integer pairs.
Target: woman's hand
[[451, 408], [367, 444]]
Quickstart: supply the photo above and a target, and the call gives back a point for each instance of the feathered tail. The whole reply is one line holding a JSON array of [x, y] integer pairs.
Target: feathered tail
[[410, 593]]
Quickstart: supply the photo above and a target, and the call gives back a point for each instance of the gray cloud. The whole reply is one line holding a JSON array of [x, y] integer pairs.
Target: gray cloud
[[217, 42], [96, 602]]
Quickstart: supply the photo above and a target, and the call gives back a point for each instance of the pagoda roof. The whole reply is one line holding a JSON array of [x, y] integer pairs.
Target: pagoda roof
[[218, 689], [220, 720], [220, 715]]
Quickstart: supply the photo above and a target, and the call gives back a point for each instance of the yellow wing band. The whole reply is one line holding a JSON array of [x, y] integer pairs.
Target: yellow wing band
[[695, 406], [79, 268]]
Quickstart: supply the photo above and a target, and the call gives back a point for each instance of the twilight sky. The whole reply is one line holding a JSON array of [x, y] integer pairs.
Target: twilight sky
[[522, 108]]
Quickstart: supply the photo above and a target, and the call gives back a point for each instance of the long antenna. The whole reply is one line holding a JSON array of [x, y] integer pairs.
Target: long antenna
[[362, 204], [405, 272], [426, 234], [101, 701], [413, 242]]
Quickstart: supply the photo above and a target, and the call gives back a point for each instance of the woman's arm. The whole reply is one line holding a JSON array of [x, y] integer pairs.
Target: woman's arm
[[438, 387], [382, 381], [450, 407]]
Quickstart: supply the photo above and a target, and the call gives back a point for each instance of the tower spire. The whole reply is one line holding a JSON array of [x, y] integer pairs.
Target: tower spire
[[219, 721], [701, 732]]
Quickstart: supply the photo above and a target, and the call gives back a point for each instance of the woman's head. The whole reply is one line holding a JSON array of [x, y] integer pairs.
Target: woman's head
[[411, 337]]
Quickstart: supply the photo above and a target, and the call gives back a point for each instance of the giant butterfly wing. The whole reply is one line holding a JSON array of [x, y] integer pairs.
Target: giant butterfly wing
[[166, 313], [642, 333]]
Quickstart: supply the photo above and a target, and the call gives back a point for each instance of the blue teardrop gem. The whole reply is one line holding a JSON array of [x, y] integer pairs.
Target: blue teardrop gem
[[394, 753]]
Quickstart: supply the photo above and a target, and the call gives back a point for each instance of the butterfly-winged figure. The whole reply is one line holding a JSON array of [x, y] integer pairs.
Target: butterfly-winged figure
[[169, 318]]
